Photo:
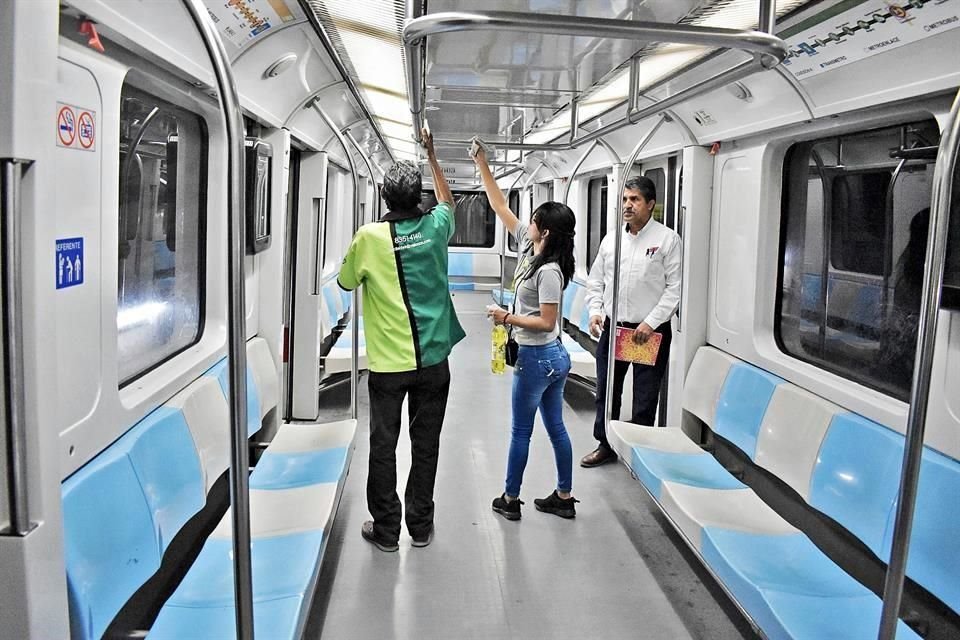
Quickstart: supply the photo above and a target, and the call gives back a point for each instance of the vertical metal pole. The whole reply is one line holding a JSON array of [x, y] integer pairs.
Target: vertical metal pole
[[618, 241], [503, 243], [768, 16], [634, 82], [415, 53], [15, 395], [354, 316], [574, 118], [236, 314], [375, 205], [943, 175]]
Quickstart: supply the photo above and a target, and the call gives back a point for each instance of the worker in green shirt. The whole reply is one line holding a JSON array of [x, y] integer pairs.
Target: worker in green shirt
[[410, 327]]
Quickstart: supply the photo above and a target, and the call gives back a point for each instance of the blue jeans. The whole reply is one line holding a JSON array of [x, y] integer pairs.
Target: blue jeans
[[538, 379]]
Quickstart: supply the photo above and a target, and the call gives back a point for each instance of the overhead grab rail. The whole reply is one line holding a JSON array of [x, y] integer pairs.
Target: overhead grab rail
[[943, 175], [14, 377], [614, 160], [354, 315], [375, 205], [236, 318], [767, 52]]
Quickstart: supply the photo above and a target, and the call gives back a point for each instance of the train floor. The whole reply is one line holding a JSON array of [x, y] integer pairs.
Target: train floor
[[616, 571]]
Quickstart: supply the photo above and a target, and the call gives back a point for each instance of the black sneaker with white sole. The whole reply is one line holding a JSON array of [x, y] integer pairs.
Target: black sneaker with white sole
[[509, 509], [563, 507]]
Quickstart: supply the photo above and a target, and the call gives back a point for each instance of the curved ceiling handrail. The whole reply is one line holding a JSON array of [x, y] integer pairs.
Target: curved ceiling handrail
[[453, 21], [767, 49], [767, 52]]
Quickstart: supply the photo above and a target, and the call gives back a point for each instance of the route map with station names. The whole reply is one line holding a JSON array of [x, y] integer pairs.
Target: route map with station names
[[241, 21], [863, 31]]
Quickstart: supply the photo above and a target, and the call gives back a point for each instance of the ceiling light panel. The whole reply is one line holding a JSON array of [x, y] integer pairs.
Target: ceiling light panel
[[657, 62], [367, 36]]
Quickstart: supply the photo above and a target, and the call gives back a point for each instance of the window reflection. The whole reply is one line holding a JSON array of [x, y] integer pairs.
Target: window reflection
[[855, 221], [160, 267]]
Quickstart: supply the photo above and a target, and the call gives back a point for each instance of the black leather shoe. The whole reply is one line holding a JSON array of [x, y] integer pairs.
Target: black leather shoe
[[601, 455], [424, 539], [370, 536]]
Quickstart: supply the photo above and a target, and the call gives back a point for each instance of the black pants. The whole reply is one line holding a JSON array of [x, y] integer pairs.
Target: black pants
[[428, 389], [646, 381]]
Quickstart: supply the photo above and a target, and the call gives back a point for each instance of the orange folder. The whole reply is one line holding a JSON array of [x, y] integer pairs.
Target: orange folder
[[626, 350]]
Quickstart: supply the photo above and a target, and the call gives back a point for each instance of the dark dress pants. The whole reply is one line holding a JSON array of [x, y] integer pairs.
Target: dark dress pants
[[427, 389], [646, 381]]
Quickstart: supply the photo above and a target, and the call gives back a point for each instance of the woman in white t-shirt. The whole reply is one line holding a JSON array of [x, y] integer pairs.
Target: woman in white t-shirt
[[545, 249]]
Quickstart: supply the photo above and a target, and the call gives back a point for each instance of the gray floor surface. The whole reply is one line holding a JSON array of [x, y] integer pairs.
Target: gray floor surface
[[617, 571]]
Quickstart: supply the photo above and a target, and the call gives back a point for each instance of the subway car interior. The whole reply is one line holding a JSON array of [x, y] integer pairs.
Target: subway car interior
[[187, 389]]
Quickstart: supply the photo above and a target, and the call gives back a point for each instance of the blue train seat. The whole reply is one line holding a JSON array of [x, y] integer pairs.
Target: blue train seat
[[742, 403], [842, 464], [791, 589], [120, 512], [503, 297], [857, 476], [338, 358], [222, 374], [110, 542], [294, 492], [934, 560], [122, 509]]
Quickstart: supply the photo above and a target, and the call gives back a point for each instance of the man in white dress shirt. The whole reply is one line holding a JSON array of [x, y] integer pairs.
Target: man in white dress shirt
[[650, 260]]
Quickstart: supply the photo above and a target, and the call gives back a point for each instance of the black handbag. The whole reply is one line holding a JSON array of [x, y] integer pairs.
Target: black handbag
[[513, 350]]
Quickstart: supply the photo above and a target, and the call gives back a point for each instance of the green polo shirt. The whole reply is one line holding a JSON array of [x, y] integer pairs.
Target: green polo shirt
[[408, 315]]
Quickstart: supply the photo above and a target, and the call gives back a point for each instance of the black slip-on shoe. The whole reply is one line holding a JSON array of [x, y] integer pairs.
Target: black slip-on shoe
[[601, 455], [370, 536], [563, 507], [508, 509], [422, 540]]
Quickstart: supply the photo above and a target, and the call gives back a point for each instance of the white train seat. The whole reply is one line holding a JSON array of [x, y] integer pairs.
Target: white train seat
[[122, 509], [338, 312], [294, 492], [843, 465]]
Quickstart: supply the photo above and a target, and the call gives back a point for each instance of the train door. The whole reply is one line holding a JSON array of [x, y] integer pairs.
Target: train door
[[306, 281], [664, 172]]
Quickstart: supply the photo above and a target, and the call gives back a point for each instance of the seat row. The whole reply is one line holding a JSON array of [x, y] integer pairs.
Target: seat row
[[294, 492], [336, 326], [840, 464], [465, 268], [123, 508]]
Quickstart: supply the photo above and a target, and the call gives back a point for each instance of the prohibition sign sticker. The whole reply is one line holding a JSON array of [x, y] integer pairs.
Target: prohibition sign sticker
[[86, 131], [66, 126]]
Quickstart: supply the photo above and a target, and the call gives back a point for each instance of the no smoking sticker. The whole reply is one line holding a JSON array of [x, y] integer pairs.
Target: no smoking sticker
[[66, 126], [76, 127]]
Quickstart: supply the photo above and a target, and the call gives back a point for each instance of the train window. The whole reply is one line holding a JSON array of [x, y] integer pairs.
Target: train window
[[596, 216], [659, 178], [163, 162], [514, 202], [858, 221], [475, 221], [854, 229]]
